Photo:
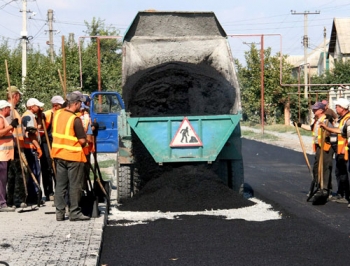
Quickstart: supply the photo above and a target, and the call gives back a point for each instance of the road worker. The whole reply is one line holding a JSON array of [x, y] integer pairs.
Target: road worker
[[16, 195], [6, 151], [342, 154], [32, 149], [45, 160], [322, 194], [67, 150]]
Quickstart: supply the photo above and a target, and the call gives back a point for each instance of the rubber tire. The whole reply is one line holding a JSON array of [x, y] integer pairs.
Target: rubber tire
[[236, 172], [123, 183], [135, 182]]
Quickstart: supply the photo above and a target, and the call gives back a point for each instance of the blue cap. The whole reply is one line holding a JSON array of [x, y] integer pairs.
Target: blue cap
[[318, 105]]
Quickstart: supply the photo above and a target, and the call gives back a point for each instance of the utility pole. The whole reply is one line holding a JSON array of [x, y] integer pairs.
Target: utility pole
[[262, 66], [306, 44], [50, 43], [24, 37], [71, 40]]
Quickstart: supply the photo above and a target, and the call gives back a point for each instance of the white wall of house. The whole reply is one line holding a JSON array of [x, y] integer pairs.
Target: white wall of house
[[336, 94]]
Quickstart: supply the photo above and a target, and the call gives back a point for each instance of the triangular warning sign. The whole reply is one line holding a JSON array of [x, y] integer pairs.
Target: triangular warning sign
[[186, 136]]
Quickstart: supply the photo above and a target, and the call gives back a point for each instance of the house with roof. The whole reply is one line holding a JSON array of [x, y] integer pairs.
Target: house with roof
[[315, 61], [339, 45]]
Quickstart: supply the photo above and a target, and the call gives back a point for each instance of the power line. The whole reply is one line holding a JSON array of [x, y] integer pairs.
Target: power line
[[1, 7]]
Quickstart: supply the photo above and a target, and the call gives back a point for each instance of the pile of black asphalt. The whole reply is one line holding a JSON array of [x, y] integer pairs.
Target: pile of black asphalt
[[183, 189]]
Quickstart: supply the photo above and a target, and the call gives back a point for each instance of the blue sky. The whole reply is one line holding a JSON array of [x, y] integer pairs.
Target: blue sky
[[237, 17]]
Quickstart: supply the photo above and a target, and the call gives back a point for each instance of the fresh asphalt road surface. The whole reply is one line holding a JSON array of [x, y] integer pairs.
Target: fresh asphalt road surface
[[306, 234]]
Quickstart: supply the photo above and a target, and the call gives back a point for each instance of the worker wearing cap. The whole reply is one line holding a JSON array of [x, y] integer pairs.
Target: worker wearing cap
[[342, 154], [6, 151], [67, 150], [45, 160], [15, 185], [319, 111], [32, 149]]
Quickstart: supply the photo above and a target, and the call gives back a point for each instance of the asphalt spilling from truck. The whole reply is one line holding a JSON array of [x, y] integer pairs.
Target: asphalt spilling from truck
[[185, 188], [174, 89]]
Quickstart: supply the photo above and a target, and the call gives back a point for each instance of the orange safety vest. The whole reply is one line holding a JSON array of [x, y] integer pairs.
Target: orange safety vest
[[326, 146], [18, 132], [65, 144], [6, 144], [342, 147], [28, 144], [48, 118]]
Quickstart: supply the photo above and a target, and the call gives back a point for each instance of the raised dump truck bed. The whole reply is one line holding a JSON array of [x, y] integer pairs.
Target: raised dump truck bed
[[182, 100]]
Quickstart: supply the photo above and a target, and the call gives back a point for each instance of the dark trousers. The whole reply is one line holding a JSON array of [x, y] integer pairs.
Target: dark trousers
[[3, 182], [327, 166], [46, 170], [69, 178], [341, 173], [34, 165], [15, 185]]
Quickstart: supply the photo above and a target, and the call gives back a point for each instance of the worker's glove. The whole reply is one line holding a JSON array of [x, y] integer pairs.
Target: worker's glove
[[295, 123], [14, 123], [31, 130]]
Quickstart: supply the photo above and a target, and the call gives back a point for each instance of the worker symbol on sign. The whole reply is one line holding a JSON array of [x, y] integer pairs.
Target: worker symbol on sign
[[184, 132], [186, 136]]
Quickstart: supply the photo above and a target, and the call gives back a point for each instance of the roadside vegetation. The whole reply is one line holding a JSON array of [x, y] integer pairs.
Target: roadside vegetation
[[43, 81]]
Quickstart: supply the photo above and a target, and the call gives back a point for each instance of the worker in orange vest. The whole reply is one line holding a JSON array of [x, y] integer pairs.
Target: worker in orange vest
[[45, 160], [6, 151], [322, 194], [67, 150], [32, 149], [342, 155], [15, 181]]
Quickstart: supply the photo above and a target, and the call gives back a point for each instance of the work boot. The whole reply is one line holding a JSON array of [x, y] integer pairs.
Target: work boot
[[335, 198], [342, 200], [60, 216], [7, 209], [79, 217]]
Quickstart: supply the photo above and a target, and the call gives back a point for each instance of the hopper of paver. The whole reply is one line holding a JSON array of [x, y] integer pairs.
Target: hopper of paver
[[182, 99]]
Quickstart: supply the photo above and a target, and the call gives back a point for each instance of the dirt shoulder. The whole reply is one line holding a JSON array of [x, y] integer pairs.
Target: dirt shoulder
[[287, 140]]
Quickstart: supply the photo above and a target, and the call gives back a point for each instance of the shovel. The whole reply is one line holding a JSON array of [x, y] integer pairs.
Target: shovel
[[313, 186], [320, 198], [304, 151]]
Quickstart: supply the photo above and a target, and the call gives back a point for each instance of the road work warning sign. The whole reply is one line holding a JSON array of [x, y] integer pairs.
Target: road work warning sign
[[186, 136]]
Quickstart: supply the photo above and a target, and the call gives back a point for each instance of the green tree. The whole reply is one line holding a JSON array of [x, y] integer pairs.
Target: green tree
[[110, 54], [340, 74], [276, 97], [42, 80]]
